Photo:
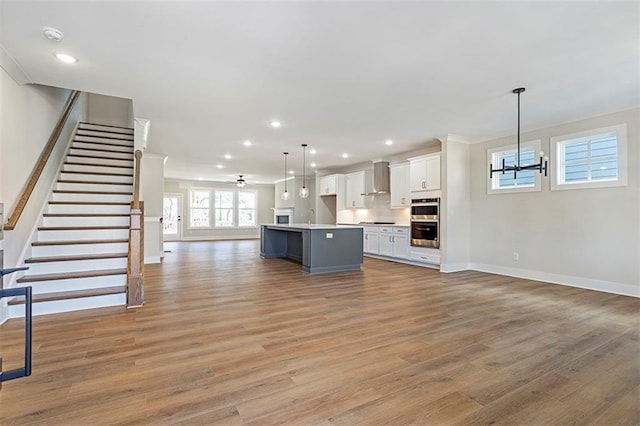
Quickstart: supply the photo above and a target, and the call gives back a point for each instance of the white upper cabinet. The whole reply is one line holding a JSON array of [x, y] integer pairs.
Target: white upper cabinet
[[400, 193], [355, 189], [425, 173], [329, 185]]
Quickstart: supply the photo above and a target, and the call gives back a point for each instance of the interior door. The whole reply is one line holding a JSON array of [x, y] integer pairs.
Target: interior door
[[172, 217]]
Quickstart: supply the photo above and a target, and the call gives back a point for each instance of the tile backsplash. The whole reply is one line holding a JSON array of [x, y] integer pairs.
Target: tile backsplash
[[378, 210]]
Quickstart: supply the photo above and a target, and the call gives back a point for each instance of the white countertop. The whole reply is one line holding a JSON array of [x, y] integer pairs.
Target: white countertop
[[309, 226], [397, 225]]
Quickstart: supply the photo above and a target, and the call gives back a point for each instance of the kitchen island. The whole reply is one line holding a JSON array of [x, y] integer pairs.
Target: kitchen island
[[320, 249]]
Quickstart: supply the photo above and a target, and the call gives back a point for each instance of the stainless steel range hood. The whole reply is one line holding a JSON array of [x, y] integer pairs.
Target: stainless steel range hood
[[380, 178]]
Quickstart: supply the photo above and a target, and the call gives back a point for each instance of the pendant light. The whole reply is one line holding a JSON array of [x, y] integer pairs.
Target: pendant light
[[304, 191], [541, 166], [285, 194], [241, 182]]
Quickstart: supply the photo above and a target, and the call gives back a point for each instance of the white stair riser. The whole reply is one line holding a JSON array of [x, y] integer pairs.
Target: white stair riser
[[99, 127], [96, 153], [66, 186], [91, 198], [96, 178], [98, 169], [103, 139], [88, 208], [83, 235], [85, 221], [40, 268], [104, 134], [43, 308], [78, 249], [100, 161], [95, 145]]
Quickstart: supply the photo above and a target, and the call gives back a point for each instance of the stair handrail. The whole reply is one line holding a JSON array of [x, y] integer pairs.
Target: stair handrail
[[135, 257], [136, 180], [42, 161]]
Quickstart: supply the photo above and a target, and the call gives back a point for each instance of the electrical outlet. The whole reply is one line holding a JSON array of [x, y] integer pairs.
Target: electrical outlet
[[329, 235], [516, 256]]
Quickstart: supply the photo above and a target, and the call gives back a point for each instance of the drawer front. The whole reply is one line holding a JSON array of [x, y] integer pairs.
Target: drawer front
[[386, 229], [425, 258], [401, 231]]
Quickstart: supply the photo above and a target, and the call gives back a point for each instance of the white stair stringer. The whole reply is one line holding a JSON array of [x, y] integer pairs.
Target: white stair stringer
[[79, 250]]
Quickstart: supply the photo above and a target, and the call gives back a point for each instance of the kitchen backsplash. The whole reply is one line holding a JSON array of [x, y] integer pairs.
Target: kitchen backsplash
[[378, 210]]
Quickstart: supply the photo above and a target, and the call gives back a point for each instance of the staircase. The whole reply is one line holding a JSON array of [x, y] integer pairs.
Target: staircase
[[79, 253]]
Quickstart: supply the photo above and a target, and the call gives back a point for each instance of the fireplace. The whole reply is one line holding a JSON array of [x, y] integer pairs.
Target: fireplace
[[283, 216]]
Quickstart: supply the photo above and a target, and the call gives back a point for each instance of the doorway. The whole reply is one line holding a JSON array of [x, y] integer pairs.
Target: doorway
[[172, 217]]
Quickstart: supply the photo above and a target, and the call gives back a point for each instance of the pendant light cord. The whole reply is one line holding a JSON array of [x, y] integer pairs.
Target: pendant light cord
[[285, 171]]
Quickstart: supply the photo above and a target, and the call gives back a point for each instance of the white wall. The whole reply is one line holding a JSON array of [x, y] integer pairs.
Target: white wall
[[455, 215], [151, 192], [110, 110], [303, 208], [266, 196], [585, 237], [28, 115]]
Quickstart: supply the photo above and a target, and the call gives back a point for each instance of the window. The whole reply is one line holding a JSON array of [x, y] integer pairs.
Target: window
[[246, 208], [526, 180], [199, 204], [595, 158], [231, 208], [224, 208]]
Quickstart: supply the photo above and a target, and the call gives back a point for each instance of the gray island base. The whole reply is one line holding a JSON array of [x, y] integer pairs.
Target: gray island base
[[321, 249]]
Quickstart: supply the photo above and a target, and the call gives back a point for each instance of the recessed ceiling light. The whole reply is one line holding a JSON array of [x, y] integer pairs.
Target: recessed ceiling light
[[52, 33], [199, 178], [290, 172], [275, 124], [345, 155], [312, 151], [219, 166], [314, 165], [247, 143], [227, 156], [68, 59], [388, 142]]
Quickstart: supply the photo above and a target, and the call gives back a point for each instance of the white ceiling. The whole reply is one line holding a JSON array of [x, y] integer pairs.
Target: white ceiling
[[340, 76]]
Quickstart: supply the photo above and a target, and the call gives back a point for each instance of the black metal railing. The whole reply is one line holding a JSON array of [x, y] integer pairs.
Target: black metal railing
[[28, 303]]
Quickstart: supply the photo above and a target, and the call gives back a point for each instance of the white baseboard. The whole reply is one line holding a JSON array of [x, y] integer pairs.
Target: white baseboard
[[151, 259], [568, 280], [219, 238], [454, 267]]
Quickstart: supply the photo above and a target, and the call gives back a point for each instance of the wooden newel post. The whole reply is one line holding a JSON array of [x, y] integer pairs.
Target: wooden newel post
[[135, 264]]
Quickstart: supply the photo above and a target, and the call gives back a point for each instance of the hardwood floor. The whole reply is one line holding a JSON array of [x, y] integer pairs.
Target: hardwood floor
[[226, 337]]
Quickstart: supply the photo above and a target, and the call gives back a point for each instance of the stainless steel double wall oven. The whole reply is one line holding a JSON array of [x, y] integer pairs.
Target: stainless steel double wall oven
[[425, 222]]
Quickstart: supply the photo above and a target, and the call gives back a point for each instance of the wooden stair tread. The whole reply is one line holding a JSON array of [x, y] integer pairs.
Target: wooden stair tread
[[92, 182], [100, 150], [75, 257], [71, 275], [102, 157], [70, 243], [77, 294], [71, 163], [90, 203], [85, 215], [73, 191], [105, 125], [80, 228], [106, 143], [97, 173]]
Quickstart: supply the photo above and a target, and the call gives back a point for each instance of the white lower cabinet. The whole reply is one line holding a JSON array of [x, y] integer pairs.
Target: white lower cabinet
[[389, 241], [371, 239], [401, 243], [385, 241]]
